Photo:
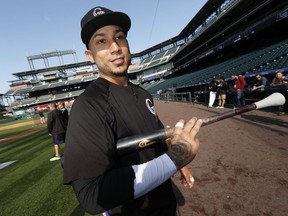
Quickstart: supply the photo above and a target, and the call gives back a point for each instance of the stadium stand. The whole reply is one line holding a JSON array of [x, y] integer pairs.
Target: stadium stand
[[255, 62]]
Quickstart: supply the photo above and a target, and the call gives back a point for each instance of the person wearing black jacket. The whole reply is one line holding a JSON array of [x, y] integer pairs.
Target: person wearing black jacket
[[64, 113], [56, 128], [222, 91], [112, 108]]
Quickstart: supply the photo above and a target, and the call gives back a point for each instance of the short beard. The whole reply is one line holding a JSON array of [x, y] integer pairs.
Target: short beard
[[120, 74]]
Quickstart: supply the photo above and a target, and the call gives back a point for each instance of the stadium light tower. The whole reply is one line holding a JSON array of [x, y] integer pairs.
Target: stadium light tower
[[46, 55]]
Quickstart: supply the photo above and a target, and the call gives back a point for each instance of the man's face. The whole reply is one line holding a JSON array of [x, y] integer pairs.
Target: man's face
[[279, 75], [109, 49]]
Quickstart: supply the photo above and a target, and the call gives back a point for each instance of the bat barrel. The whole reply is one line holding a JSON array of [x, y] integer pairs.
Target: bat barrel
[[275, 99]]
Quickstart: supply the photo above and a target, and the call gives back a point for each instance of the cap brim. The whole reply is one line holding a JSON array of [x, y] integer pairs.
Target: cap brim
[[116, 18]]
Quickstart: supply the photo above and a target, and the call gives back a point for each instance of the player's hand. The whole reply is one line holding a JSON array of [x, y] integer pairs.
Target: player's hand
[[183, 145], [186, 177]]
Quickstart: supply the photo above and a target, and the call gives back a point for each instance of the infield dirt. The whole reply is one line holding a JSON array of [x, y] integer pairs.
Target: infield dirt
[[241, 167], [37, 128]]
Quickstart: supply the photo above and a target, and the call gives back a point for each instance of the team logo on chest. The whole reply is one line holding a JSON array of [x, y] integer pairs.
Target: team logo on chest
[[150, 106]]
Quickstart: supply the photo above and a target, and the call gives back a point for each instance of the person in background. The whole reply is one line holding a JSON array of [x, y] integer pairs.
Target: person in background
[[56, 129], [222, 91], [279, 79], [238, 90], [42, 117], [112, 108], [260, 83], [212, 91], [64, 113], [281, 83]]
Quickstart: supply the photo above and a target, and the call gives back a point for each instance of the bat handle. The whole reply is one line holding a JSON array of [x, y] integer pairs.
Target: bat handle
[[228, 114]]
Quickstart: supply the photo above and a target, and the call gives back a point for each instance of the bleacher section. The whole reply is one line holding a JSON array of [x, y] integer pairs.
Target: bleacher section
[[24, 102], [157, 59], [60, 96], [90, 78], [10, 92], [267, 59], [24, 90], [77, 93], [56, 84], [44, 99], [40, 87], [44, 93], [73, 81], [50, 85]]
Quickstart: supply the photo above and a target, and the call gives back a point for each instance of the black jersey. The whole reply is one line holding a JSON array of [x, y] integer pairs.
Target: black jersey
[[104, 113]]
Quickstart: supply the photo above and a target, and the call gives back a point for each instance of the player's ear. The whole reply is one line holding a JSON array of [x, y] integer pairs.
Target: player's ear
[[89, 55]]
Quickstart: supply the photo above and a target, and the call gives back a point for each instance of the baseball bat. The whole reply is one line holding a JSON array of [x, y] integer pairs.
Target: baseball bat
[[137, 142]]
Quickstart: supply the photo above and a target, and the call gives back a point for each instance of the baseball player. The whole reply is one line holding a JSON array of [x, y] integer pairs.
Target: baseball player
[[112, 108]]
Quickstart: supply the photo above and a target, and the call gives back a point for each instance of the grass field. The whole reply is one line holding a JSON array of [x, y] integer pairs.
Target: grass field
[[33, 184]]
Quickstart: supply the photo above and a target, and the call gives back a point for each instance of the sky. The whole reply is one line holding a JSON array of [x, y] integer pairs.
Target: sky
[[31, 27]]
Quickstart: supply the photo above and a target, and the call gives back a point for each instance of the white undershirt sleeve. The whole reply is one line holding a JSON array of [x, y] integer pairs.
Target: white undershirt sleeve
[[152, 173]]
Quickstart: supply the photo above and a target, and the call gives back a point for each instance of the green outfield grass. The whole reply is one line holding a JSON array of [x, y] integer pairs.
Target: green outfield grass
[[33, 184]]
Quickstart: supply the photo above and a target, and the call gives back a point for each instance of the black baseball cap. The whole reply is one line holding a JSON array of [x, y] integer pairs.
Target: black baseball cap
[[99, 17]]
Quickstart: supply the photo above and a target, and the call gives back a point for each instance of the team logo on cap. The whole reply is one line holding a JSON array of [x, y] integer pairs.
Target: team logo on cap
[[97, 12], [150, 106]]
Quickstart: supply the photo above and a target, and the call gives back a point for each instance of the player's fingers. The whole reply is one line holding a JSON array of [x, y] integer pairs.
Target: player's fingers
[[196, 127], [180, 124], [191, 183], [190, 124], [177, 131], [178, 127], [187, 180]]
